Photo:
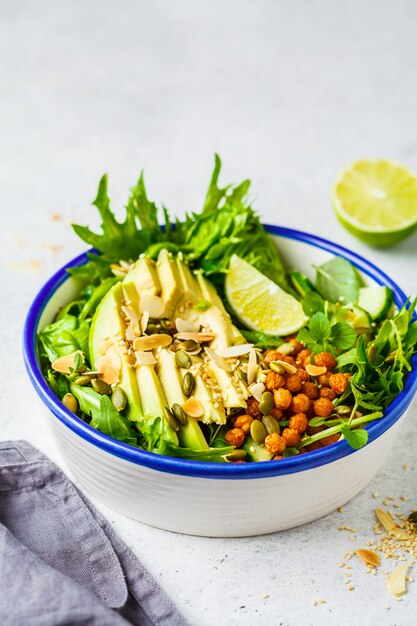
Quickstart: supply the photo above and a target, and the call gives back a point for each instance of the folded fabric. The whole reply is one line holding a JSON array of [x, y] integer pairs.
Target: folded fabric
[[60, 560]]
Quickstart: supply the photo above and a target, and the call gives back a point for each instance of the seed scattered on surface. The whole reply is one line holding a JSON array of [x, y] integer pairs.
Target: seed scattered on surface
[[270, 424], [242, 375], [397, 582], [399, 534], [152, 342], [188, 384], [190, 345], [179, 413], [70, 402], [170, 419], [412, 518], [101, 387], [258, 432], [85, 379], [385, 519], [286, 367], [182, 359], [342, 409], [236, 455], [266, 403], [368, 556], [119, 399]]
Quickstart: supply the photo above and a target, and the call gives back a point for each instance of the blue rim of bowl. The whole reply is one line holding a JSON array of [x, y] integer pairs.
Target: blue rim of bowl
[[266, 469]]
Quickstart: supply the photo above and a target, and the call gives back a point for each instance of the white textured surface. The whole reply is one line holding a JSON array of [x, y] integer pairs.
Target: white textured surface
[[287, 93]]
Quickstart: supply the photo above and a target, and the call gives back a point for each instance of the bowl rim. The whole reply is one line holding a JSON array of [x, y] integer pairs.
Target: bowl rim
[[200, 469]]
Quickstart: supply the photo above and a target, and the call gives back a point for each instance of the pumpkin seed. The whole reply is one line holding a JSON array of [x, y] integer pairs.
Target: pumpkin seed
[[276, 367], [85, 379], [70, 402], [182, 359], [179, 414], [266, 403], [170, 419], [188, 384], [258, 431], [101, 387], [236, 455], [270, 424], [243, 376], [190, 345], [168, 325], [119, 399], [286, 348], [151, 329], [343, 409]]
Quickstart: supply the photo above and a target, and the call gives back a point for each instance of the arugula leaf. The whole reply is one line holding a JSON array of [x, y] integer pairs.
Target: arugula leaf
[[65, 336], [213, 454], [112, 423], [356, 438], [338, 281]]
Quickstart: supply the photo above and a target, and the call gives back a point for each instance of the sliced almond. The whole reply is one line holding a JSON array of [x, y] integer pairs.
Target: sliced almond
[[153, 304], [397, 582], [186, 326], [132, 332], [131, 315], [218, 360], [193, 407], [104, 347], [151, 342], [257, 390], [107, 371], [315, 370], [65, 363], [287, 367], [235, 351], [144, 321], [113, 356], [399, 534], [199, 337], [252, 366], [144, 358], [385, 519], [368, 556]]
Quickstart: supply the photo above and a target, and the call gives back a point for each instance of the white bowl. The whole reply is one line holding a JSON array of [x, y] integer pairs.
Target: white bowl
[[215, 499]]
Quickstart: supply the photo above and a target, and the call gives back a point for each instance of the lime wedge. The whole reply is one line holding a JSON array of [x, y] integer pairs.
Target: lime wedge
[[376, 200], [259, 303]]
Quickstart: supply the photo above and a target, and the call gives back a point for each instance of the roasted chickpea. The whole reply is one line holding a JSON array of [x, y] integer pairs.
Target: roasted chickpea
[[277, 457], [282, 398], [243, 422], [298, 346], [312, 430], [326, 392], [291, 436], [272, 355], [323, 379], [327, 441], [323, 407], [277, 413], [252, 408], [235, 437], [293, 383], [300, 403], [338, 382], [275, 443], [274, 381], [302, 356], [303, 375], [298, 422], [325, 359], [310, 390]]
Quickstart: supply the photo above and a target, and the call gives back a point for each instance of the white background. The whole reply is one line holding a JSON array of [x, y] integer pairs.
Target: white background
[[288, 93]]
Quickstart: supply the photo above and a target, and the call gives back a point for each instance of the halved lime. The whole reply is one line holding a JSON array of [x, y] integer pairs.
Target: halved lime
[[376, 200], [259, 303]]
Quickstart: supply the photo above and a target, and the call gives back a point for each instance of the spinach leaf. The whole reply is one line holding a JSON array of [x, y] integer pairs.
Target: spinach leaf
[[338, 281]]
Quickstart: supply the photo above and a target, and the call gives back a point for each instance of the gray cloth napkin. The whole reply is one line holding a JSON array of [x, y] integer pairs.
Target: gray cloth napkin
[[60, 561]]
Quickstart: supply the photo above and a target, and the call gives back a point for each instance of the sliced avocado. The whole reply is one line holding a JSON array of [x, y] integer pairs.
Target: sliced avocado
[[256, 452], [144, 277], [231, 391], [107, 328], [154, 399], [169, 278], [189, 435]]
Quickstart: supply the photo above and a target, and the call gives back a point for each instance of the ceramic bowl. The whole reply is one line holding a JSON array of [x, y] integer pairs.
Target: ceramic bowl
[[212, 499]]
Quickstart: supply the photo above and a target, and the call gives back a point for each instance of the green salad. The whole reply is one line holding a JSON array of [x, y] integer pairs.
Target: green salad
[[193, 339]]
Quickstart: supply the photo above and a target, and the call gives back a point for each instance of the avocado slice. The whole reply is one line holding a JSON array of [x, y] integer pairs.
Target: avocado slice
[[169, 278], [144, 277], [190, 434], [107, 328], [154, 400]]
